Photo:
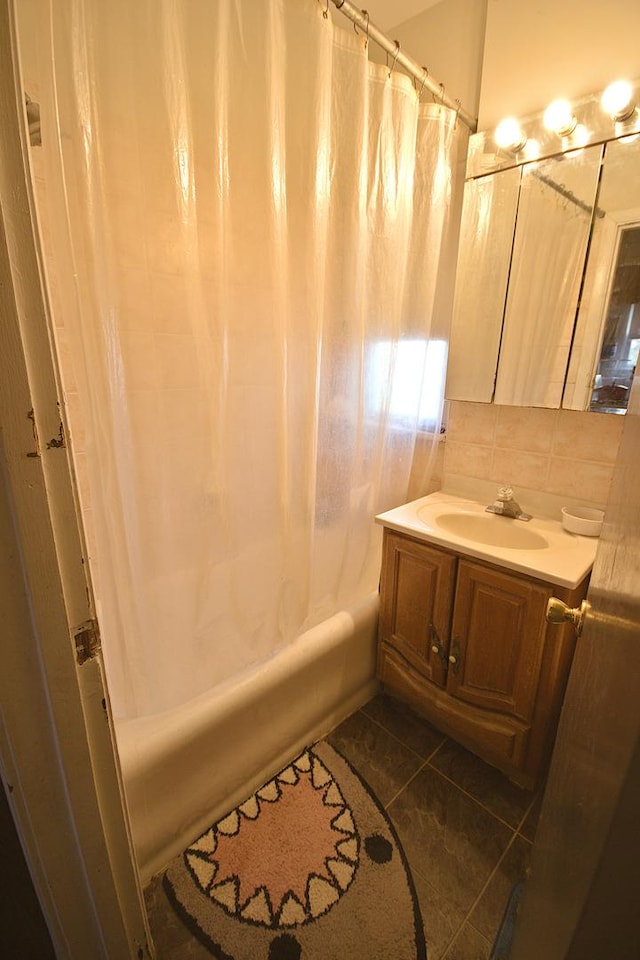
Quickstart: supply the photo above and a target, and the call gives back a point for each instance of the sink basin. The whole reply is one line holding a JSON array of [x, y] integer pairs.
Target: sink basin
[[540, 548], [491, 530]]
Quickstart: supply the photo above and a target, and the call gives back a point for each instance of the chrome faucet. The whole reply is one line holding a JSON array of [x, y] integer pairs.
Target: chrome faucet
[[505, 506]]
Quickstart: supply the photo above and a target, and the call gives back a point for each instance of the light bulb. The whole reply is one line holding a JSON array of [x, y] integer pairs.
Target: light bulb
[[559, 118], [616, 100], [531, 150], [576, 140], [508, 135], [580, 136], [628, 128]]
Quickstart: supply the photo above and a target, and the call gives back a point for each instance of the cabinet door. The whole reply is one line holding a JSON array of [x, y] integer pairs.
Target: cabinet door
[[416, 601], [497, 643]]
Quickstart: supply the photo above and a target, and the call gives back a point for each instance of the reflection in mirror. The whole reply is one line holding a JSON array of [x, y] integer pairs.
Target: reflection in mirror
[[621, 340], [556, 204], [486, 239], [605, 349]]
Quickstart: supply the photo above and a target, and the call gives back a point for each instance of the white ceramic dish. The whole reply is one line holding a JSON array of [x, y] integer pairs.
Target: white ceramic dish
[[539, 548], [583, 520]]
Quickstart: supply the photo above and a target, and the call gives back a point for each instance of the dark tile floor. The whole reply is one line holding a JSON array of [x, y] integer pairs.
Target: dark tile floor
[[466, 830]]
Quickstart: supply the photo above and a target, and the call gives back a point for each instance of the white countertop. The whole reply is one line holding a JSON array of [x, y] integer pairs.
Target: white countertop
[[547, 551]]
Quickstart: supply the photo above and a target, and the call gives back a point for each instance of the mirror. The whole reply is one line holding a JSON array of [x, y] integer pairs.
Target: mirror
[[489, 210], [607, 336], [556, 203], [539, 239]]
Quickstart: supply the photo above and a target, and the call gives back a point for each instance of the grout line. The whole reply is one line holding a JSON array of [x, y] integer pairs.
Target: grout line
[[386, 730], [454, 940], [524, 817], [404, 787], [438, 748], [402, 742], [515, 831], [467, 918], [475, 800], [427, 762]]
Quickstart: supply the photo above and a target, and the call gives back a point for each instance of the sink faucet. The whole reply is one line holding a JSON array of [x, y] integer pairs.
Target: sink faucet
[[505, 506]]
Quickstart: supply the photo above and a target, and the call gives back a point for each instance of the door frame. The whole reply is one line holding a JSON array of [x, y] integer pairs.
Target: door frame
[[57, 749]]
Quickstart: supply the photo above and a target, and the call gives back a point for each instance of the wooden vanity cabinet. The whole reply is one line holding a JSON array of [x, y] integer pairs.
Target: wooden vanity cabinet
[[466, 644]]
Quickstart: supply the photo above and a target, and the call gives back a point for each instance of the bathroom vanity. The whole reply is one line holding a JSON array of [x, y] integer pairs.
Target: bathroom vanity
[[463, 636]]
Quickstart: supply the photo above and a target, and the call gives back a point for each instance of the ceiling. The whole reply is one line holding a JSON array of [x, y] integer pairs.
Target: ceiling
[[389, 13]]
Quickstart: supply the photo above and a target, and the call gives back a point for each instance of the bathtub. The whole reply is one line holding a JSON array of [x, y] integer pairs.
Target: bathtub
[[187, 767]]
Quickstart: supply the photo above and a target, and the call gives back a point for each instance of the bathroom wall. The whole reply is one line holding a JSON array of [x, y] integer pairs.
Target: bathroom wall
[[448, 39], [550, 457], [536, 52], [564, 454]]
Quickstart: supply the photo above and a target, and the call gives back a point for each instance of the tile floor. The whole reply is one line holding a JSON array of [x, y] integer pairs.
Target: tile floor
[[466, 830]]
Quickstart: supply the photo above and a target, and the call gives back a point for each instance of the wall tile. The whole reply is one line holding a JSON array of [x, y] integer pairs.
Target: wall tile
[[472, 422], [468, 459], [525, 428], [579, 480], [427, 467], [588, 436], [519, 469], [567, 453]]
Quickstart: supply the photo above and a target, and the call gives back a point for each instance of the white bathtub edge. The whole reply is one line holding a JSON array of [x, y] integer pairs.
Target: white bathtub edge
[[186, 768]]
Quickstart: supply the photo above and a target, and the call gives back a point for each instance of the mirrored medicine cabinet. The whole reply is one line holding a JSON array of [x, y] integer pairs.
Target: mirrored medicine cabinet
[[547, 302]]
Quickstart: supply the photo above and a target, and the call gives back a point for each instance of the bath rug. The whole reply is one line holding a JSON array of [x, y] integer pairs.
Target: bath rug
[[308, 868]]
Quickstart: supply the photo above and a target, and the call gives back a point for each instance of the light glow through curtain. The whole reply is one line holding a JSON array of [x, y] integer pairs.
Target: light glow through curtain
[[248, 229]]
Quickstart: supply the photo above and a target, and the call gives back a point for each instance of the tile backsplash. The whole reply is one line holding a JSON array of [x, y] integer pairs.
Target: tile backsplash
[[565, 454]]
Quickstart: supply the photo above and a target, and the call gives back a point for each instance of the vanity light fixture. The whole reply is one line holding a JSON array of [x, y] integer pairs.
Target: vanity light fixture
[[531, 149], [508, 135], [576, 140], [576, 125], [559, 118], [617, 100]]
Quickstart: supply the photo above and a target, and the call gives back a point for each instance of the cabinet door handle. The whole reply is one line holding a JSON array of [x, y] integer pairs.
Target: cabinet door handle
[[455, 656], [436, 645]]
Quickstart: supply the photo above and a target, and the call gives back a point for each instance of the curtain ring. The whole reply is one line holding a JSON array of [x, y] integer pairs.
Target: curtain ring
[[366, 36], [424, 80], [325, 12], [393, 63]]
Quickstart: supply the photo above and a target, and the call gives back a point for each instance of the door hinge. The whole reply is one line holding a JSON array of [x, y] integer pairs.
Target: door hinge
[[87, 641]]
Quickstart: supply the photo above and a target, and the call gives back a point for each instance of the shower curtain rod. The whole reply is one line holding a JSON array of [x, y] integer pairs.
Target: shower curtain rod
[[361, 19]]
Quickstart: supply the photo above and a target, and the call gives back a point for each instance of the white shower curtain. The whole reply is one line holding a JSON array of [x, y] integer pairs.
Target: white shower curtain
[[247, 222]]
